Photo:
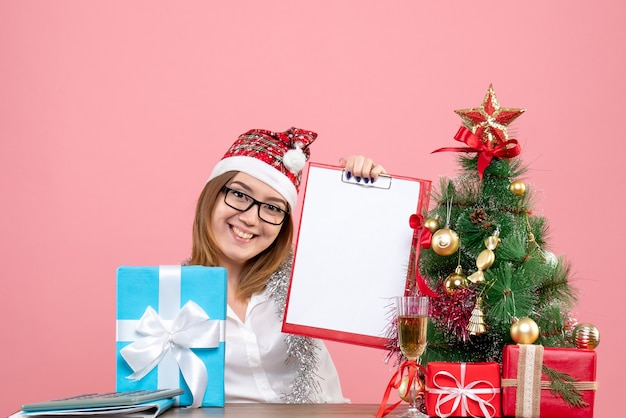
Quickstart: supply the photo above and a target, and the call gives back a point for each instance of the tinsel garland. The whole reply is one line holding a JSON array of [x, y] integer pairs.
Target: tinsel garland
[[301, 350], [453, 311]]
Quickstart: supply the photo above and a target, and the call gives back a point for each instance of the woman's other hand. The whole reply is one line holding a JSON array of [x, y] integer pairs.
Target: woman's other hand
[[361, 168]]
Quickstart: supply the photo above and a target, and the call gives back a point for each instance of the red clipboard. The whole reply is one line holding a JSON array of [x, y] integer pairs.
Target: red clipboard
[[351, 254]]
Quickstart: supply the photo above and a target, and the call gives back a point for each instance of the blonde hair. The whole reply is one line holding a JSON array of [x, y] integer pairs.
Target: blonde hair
[[206, 252]]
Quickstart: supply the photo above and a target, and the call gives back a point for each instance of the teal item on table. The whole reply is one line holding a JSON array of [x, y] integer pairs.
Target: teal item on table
[[170, 331]]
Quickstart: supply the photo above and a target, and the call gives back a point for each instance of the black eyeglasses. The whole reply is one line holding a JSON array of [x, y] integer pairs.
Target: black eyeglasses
[[240, 201]]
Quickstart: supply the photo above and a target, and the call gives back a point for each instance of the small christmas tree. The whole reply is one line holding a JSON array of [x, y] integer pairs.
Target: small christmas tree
[[493, 280]]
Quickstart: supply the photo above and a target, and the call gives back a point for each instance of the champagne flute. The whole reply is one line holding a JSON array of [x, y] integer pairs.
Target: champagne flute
[[412, 314]]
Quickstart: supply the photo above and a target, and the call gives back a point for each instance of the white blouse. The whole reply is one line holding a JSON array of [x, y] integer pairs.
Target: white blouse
[[256, 353]]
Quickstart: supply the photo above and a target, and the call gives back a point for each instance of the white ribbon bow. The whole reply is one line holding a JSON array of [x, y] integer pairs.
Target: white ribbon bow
[[191, 328], [461, 393]]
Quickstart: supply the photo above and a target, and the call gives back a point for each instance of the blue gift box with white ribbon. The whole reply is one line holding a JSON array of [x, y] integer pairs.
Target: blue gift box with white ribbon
[[170, 331]]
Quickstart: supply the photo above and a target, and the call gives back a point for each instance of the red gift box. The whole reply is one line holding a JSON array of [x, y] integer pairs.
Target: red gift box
[[526, 389], [463, 389]]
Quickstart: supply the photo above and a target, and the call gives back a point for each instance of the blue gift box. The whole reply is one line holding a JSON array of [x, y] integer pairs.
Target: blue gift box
[[170, 331]]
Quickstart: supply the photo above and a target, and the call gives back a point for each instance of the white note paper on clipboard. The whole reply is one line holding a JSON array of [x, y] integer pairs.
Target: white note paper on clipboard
[[351, 254]]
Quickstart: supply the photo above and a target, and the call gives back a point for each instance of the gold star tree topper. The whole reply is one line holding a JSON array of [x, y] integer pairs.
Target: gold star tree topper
[[489, 122]]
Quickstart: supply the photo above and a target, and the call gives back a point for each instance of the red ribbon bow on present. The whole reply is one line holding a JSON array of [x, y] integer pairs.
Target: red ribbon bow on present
[[411, 367], [486, 152], [421, 239]]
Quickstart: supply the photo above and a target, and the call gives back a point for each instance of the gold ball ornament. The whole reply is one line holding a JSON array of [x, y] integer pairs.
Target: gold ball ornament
[[586, 336], [445, 242], [432, 225], [455, 281], [403, 391], [524, 331], [518, 188]]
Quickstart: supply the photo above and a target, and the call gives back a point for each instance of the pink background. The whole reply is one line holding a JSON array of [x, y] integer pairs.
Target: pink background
[[113, 112]]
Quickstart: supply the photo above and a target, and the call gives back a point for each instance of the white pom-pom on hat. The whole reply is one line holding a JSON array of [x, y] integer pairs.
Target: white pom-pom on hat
[[294, 159]]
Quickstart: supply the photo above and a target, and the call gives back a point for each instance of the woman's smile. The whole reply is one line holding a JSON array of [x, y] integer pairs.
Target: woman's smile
[[241, 234]]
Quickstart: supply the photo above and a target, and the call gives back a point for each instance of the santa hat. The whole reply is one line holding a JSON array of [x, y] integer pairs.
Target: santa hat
[[275, 158]]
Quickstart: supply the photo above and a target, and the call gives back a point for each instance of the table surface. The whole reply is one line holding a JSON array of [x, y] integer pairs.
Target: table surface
[[280, 410]]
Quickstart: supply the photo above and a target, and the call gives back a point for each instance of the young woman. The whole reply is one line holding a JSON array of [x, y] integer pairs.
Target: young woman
[[243, 222]]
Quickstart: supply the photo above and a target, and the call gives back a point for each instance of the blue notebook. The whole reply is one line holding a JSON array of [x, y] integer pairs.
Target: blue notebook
[[91, 401]]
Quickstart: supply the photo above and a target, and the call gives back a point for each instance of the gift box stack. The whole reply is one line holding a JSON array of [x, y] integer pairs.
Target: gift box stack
[[535, 381], [170, 331]]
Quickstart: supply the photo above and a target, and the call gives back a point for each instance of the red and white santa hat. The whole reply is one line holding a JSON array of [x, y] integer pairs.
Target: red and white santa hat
[[275, 158]]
